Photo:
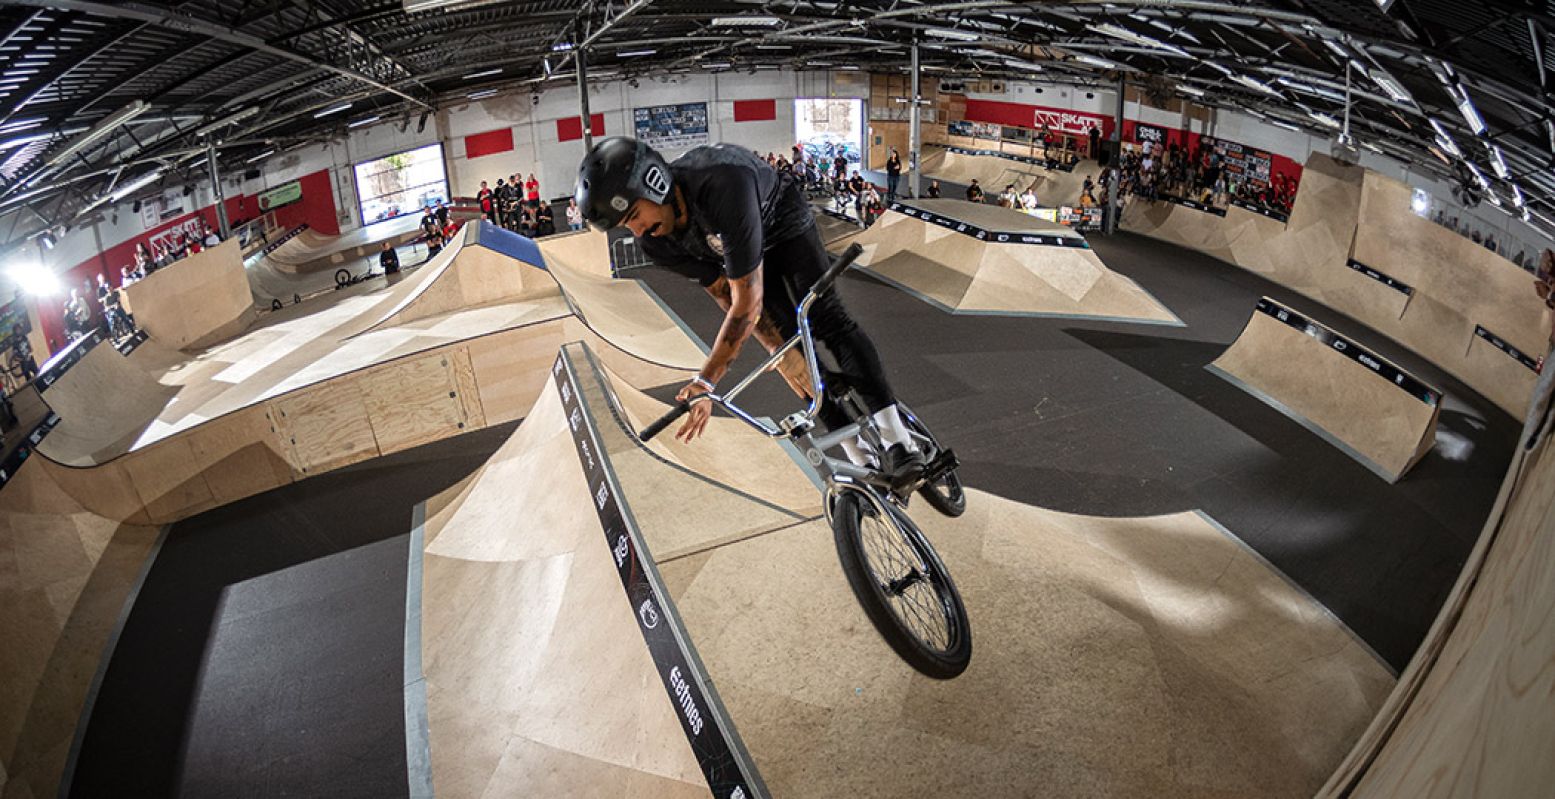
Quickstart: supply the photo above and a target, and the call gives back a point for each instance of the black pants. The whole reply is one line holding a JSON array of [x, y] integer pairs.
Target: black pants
[[789, 269]]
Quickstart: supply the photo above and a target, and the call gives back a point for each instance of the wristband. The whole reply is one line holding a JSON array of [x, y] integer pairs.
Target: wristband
[[701, 381]]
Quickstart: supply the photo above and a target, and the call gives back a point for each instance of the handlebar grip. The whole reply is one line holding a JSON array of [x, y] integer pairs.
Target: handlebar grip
[[664, 421], [839, 266]]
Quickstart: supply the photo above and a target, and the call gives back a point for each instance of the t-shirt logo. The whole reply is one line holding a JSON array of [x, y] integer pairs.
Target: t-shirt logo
[[715, 243], [656, 181]]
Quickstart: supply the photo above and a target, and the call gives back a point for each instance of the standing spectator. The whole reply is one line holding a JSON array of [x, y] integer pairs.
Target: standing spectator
[[532, 190], [142, 254], [974, 192], [574, 215], [389, 259], [504, 199], [873, 207], [487, 203], [442, 214], [856, 187], [839, 166], [209, 237], [893, 174], [545, 220], [933, 191], [21, 353], [798, 151], [76, 316], [1095, 141]]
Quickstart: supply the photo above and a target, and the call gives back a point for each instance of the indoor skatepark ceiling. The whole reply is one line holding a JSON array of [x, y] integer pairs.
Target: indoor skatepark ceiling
[[94, 95]]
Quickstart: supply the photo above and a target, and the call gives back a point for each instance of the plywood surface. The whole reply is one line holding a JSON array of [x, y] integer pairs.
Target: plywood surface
[[195, 302]]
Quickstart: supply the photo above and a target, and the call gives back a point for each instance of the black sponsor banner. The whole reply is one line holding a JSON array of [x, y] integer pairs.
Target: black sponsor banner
[[1258, 209], [1195, 205], [18, 456], [702, 727], [1501, 344], [1045, 163], [1154, 134], [991, 236], [1355, 352], [129, 344], [58, 365], [1397, 285], [285, 237]]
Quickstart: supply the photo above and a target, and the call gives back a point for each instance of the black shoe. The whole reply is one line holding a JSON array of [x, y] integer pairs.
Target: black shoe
[[902, 465]]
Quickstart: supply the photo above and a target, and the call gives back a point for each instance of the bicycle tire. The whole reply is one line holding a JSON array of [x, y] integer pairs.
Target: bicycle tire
[[946, 494], [939, 660]]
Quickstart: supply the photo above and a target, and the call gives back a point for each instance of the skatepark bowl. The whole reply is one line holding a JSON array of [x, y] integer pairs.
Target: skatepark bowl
[[573, 612]]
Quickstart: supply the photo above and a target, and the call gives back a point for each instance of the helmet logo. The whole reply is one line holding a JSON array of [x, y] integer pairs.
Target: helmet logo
[[656, 181], [619, 203]]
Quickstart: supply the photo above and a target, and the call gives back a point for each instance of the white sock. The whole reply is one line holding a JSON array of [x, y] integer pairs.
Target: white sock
[[892, 430], [855, 453]]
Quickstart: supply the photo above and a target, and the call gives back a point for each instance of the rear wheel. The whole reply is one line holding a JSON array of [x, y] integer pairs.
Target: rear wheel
[[903, 587]]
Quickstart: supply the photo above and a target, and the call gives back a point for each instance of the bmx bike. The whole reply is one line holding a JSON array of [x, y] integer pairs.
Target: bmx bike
[[894, 572]]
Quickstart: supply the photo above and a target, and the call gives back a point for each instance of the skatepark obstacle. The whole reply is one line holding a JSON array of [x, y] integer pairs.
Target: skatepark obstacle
[[194, 302]]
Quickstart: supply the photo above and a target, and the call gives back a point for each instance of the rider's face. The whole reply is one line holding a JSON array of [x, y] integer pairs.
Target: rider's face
[[648, 218]]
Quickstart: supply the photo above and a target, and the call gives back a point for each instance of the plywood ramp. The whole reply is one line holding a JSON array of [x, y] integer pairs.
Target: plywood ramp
[[1334, 388], [961, 273], [309, 252], [1343, 213], [1132, 657], [195, 302], [1473, 715]]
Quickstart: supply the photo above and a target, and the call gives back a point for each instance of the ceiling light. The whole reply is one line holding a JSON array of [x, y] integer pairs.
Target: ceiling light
[[635, 53], [413, 6], [1390, 85], [1315, 91], [482, 94], [1470, 113], [1444, 139], [724, 65], [363, 121], [1498, 161], [746, 22], [948, 33], [1517, 196], [1479, 176], [33, 278], [101, 130], [135, 185], [1096, 62], [485, 73], [331, 110], [1191, 91], [1324, 119], [1256, 85], [774, 47], [561, 47], [1120, 32], [1026, 65], [262, 156], [1280, 123], [21, 124]]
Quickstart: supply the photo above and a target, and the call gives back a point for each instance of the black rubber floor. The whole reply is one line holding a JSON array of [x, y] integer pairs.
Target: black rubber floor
[[1115, 419], [264, 654]]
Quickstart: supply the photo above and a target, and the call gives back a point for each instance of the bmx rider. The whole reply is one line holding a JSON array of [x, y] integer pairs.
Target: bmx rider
[[743, 231]]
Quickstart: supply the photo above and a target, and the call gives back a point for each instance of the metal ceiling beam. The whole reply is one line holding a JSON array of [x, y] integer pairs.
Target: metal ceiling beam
[[162, 19]]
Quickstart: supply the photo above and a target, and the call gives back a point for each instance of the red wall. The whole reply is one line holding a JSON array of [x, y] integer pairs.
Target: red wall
[[488, 143], [1023, 115], [571, 128], [755, 110], [1279, 165], [316, 209]]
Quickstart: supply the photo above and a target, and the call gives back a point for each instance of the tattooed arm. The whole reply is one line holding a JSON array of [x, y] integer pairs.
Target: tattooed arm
[[740, 318], [766, 332]]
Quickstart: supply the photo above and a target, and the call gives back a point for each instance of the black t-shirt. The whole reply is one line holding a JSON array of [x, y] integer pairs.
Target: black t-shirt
[[737, 206], [893, 166], [389, 260], [429, 224]]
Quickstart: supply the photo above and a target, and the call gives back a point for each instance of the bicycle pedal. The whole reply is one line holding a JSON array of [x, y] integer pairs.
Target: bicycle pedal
[[944, 463]]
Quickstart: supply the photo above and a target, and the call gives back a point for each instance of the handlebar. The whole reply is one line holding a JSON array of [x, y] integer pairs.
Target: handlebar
[[821, 286]]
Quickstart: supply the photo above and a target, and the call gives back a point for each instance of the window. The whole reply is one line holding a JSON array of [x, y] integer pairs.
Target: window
[[403, 183], [829, 128]]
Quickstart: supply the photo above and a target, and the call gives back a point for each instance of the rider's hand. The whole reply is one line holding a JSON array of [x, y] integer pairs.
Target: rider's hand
[[696, 418], [795, 372]]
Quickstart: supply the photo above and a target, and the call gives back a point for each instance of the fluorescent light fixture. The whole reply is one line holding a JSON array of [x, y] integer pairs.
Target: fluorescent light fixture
[[1307, 88], [334, 109], [231, 119], [1479, 176], [723, 65], [949, 33], [1517, 196], [34, 278], [135, 185], [1096, 62], [1324, 119], [1280, 123], [485, 73], [774, 47], [1026, 65], [1444, 139], [1470, 113], [1120, 32], [482, 94], [1191, 91], [412, 6], [561, 47], [1256, 85], [1390, 85], [746, 22], [850, 67], [101, 130], [635, 53], [262, 156], [363, 121], [21, 124], [1498, 162]]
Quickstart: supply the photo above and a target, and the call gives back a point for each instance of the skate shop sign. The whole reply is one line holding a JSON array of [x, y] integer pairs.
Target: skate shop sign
[[729, 774], [991, 236], [672, 127], [1064, 121], [1355, 352]]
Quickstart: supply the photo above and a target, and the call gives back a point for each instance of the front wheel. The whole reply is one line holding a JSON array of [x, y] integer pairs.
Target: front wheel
[[944, 494], [903, 587]]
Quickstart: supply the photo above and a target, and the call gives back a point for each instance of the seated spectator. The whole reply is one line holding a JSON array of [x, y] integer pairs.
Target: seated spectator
[[208, 237], [191, 245], [545, 220], [933, 191], [1028, 200], [974, 192], [1009, 198], [389, 259], [574, 215], [874, 208]]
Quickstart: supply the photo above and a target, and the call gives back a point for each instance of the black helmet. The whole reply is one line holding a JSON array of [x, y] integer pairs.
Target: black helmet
[[615, 174]]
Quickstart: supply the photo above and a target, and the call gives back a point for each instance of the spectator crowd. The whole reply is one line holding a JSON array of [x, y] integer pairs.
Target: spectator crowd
[[1200, 175], [515, 204], [1484, 239]]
